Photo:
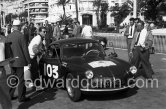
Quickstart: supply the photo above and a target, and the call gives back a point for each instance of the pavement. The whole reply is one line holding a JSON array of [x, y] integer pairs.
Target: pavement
[[152, 97]]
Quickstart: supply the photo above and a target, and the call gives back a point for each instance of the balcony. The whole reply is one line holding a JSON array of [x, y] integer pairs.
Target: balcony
[[38, 13], [35, 1]]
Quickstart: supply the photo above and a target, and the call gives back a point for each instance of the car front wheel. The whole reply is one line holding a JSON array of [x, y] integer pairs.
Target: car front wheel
[[72, 88]]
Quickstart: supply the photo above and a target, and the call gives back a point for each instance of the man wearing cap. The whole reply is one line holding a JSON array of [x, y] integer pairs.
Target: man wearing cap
[[20, 50]]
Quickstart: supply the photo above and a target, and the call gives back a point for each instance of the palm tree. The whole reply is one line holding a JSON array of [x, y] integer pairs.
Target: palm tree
[[63, 4], [76, 6]]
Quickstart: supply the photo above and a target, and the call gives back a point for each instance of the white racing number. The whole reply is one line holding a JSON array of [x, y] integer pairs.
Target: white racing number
[[51, 71]]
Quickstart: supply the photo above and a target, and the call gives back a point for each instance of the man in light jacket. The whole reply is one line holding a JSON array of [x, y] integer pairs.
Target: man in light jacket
[[140, 45]]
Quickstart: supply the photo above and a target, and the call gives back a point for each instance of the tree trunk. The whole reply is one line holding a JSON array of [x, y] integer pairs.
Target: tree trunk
[[64, 14]]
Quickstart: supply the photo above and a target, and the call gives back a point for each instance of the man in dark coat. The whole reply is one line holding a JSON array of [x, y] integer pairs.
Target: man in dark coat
[[32, 31], [25, 31], [49, 33], [20, 50], [4, 94]]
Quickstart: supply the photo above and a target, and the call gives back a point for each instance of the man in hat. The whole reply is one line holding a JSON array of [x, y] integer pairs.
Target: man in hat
[[20, 50]]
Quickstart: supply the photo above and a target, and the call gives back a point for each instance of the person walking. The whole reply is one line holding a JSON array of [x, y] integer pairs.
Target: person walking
[[57, 32], [20, 50], [129, 33], [140, 45]]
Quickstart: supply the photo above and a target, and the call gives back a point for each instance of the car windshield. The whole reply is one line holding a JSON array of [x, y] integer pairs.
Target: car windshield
[[82, 49]]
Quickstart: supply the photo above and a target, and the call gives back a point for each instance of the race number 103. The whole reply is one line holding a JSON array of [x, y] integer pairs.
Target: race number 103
[[51, 71]]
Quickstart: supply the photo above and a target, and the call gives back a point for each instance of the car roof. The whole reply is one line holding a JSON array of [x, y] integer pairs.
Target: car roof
[[72, 40]]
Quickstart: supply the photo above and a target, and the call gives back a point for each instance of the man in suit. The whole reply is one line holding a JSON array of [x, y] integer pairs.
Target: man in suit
[[25, 31], [57, 32], [20, 50], [140, 45], [129, 33]]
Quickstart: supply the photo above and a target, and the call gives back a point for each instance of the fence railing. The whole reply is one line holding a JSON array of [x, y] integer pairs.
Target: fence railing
[[119, 41]]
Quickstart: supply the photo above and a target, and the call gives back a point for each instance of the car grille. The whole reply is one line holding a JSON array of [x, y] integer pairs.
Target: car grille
[[106, 83]]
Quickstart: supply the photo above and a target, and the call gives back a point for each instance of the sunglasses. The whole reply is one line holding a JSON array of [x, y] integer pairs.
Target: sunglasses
[[44, 31]]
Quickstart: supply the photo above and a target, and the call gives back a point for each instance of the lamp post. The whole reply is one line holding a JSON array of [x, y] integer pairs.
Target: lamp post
[[135, 8]]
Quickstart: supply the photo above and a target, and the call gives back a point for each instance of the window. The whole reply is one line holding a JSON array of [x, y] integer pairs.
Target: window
[[80, 49]]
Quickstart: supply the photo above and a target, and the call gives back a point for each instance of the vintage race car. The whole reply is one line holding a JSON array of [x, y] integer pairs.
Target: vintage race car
[[83, 66]]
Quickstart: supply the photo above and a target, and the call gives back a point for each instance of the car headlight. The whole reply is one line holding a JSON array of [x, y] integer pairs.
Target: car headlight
[[133, 69], [89, 74], [102, 43]]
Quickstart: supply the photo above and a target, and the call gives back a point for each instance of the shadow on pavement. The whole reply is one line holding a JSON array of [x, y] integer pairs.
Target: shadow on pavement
[[112, 95], [39, 97]]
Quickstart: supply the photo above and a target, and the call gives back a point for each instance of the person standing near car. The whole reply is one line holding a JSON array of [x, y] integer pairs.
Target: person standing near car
[[66, 32], [25, 31], [20, 50], [36, 47], [57, 32], [141, 43], [129, 34], [48, 36]]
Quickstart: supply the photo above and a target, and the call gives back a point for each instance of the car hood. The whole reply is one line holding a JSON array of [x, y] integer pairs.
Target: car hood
[[107, 67]]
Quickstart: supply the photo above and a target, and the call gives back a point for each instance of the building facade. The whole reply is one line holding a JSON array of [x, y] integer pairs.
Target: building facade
[[87, 12], [37, 10]]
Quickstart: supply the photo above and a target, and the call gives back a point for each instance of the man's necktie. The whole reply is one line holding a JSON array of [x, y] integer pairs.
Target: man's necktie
[[137, 39], [131, 31]]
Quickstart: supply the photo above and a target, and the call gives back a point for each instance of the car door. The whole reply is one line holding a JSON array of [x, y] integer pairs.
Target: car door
[[50, 63]]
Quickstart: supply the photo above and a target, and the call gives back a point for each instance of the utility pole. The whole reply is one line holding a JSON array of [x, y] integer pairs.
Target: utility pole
[[135, 8], [76, 6]]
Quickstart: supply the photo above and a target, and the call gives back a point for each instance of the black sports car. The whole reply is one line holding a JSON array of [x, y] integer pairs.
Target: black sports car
[[83, 66]]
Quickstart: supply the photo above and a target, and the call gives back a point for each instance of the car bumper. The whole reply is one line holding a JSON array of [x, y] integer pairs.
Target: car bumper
[[108, 90]]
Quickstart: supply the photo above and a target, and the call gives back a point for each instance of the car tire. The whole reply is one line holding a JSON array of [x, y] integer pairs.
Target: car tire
[[74, 93]]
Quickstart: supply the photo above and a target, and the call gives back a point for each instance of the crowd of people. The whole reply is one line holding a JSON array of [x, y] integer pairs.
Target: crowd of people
[[29, 42]]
